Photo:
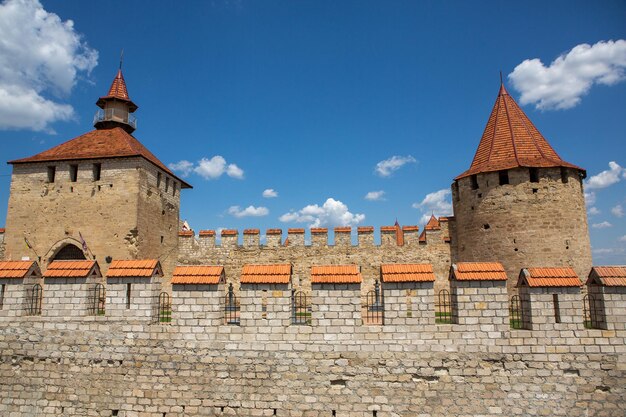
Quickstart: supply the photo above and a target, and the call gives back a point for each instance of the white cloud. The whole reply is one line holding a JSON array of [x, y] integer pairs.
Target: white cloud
[[331, 213], [622, 239], [606, 178], [569, 77], [249, 211], [590, 198], [270, 193], [213, 168], [437, 203], [375, 195], [618, 211], [40, 55], [602, 225], [388, 166], [184, 167], [593, 211]]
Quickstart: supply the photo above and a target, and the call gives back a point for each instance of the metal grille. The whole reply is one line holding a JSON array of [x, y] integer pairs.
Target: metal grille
[[592, 311], [231, 307], [33, 300], [443, 308], [165, 308], [516, 313], [69, 252], [374, 307], [97, 300], [301, 308]]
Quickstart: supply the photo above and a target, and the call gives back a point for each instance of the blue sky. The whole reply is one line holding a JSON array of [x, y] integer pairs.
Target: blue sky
[[314, 99]]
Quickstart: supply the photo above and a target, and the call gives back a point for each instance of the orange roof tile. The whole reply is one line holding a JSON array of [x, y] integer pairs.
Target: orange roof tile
[[444, 219], [365, 229], [433, 223], [335, 274], [478, 271], [251, 231], [386, 229], [510, 140], [230, 232], [1, 229], [422, 238], [118, 91], [318, 230], [274, 232], [610, 276], [197, 274], [343, 229], [266, 274], [550, 277], [134, 268], [99, 144], [71, 269], [295, 231], [206, 233], [15, 269], [407, 273], [410, 228], [185, 233]]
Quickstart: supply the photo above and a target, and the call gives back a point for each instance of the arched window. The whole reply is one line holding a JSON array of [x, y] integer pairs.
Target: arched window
[[69, 252]]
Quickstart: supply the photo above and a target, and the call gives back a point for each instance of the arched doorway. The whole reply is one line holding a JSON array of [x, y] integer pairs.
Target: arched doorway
[[69, 252]]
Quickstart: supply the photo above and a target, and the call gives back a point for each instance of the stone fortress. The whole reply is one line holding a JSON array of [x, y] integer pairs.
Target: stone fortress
[[109, 308]]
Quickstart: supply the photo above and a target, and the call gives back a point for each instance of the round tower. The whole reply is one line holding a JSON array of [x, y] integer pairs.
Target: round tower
[[519, 203]]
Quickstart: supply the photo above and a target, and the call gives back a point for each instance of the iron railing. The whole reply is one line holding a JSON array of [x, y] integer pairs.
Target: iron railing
[[115, 115], [232, 307], [97, 300], [443, 308], [165, 308], [34, 296], [517, 320], [374, 306], [300, 308]]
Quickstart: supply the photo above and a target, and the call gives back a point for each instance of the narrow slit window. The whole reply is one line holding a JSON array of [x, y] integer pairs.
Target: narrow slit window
[[174, 188], [51, 173], [474, 181], [73, 173], [557, 308], [503, 177], [167, 184], [564, 176], [2, 289], [97, 170], [128, 293], [158, 179], [534, 174]]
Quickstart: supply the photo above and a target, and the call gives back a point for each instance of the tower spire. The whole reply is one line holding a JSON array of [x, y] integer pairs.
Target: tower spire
[[116, 105]]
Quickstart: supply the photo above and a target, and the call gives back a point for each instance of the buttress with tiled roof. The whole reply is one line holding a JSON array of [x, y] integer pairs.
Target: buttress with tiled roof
[[511, 140]]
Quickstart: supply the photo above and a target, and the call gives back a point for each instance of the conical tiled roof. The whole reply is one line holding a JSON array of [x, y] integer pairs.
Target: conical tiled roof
[[510, 140], [118, 91], [97, 144]]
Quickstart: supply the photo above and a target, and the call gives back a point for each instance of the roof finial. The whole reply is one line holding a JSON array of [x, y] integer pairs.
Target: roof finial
[[501, 78], [122, 60]]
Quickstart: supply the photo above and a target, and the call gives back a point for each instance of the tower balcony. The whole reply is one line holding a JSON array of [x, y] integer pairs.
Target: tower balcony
[[115, 116]]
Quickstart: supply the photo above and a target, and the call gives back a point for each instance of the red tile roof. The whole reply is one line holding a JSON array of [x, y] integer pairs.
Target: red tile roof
[[407, 273], [295, 231], [197, 274], [230, 232], [251, 231], [206, 233], [99, 144], [422, 238], [319, 230], [1, 229], [185, 233], [410, 228], [433, 223], [610, 276], [386, 229], [343, 229], [549, 277], [134, 268], [266, 274], [478, 271], [365, 229], [510, 140], [15, 269], [335, 274], [274, 232], [118, 91], [71, 269]]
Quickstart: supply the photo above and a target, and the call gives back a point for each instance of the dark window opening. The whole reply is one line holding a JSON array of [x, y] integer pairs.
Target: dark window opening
[[158, 179], [69, 252], [474, 182], [535, 190], [97, 170], [174, 188], [2, 289], [51, 172], [73, 173], [480, 195], [161, 239], [486, 226], [128, 289], [167, 184], [534, 174], [557, 308], [564, 176], [503, 176]]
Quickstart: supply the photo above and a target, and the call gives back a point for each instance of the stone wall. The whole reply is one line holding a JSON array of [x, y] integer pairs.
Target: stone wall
[[68, 296], [523, 224]]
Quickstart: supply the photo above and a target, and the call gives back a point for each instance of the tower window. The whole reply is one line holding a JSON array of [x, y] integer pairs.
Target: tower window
[[97, 170], [503, 176], [474, 182], [158, 179], [564, 176], [557, 308], [167, 184], [73, 173], [174, 188], [51, 173], [534, 174]]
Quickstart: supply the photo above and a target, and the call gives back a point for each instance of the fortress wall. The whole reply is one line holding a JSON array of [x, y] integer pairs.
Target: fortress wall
[[103, 366]]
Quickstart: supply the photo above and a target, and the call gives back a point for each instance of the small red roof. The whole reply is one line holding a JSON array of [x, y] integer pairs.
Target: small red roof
[[610, 276], [118, 91], [266, 274], [433, 223], [318, 230], [549, 277], [274, 232], [407, 273], [185, 233], [365, 229], [72, 269], [510, 140], [99, 144], [230, 232], [478, 271], [335, 274], [15, 269], [197, 274], [298, 231], [1, 229], [343, 229], [134, 268], [251, 231], [206, 233]]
